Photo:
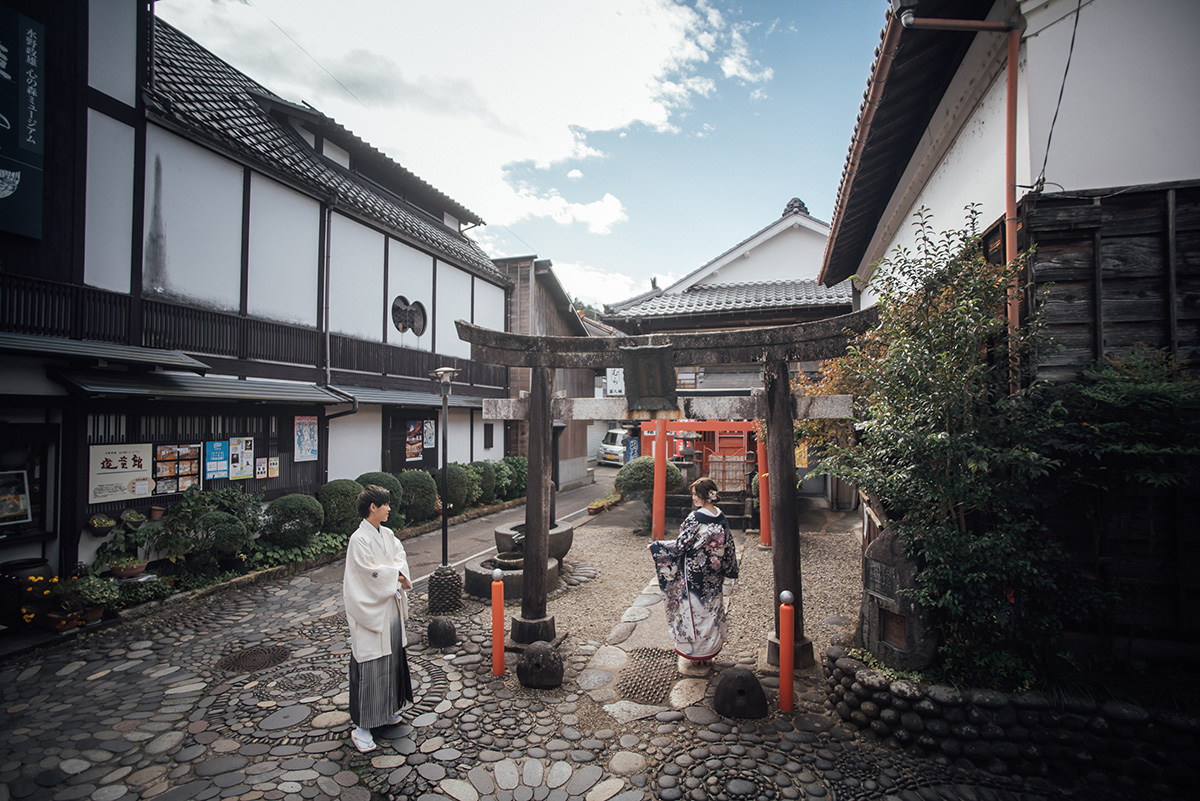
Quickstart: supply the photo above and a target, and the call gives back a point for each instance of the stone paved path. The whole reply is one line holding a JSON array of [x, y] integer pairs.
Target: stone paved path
[[242, 695]]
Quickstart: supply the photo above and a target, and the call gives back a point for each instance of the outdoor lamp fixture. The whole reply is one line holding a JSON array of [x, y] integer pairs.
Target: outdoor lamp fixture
[[445, 586]]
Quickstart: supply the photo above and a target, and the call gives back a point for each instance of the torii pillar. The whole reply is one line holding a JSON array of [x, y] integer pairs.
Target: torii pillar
[[533, 624]]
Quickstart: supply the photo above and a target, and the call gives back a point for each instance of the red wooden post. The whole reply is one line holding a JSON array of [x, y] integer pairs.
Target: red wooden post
[[764, 496], [786, 643], [497, 623], [660, 479]]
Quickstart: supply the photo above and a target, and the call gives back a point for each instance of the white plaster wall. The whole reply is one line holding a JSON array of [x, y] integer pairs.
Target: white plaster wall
[[284, 251], [410, 273], [793, 254], [459, 446], [489, 305], [355, 442], [1130, 109], [453, 303], [970, 171], [26, 376], [356, 303], [193, 223], [112, 49], [496, 452], [108, 223]]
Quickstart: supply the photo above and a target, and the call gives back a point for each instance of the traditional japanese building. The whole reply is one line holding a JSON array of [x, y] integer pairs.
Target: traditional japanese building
[[204, 282]]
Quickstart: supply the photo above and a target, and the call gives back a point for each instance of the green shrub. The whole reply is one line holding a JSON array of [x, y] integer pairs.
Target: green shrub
[[292, 520], [223, 533], [268, 555], [458, 485], [420, 494], [245, 506], [139, 592], [339, 499], [474, 485], [519, 466], [487, 481], [504, 478], [960, 458], [395, 520], [635, 479]]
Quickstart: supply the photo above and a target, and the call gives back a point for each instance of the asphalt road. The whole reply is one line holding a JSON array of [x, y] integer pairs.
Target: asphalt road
[[475, 538]]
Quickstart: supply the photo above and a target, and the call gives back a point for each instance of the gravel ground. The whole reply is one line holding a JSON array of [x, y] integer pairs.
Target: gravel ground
[[830, 552]]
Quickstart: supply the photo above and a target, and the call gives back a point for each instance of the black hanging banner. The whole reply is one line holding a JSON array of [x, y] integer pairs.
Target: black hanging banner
[[22, 123]]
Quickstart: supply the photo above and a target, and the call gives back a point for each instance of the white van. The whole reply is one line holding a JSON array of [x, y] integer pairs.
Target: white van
[[612, 447]]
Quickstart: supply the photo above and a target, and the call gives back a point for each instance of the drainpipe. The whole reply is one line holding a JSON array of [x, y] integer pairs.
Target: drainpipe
[[909, 20], [351, 399]]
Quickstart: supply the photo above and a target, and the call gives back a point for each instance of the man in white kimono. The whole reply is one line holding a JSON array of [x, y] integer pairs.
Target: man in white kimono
[[375, 587]]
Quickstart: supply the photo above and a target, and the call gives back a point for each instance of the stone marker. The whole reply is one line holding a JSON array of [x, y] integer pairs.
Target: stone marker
[[739, 695], [540, 666], [441, 633]]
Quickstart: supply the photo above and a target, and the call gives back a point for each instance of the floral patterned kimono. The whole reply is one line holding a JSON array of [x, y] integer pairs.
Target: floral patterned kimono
[[691, 572]]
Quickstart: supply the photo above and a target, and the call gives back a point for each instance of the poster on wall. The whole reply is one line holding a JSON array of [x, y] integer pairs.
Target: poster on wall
[[241, 458], [273, 467], [14, 498], [306, 439], [414, 442], [260, 467], [176, 467], [430, 434], [120, 472], [216, 460]]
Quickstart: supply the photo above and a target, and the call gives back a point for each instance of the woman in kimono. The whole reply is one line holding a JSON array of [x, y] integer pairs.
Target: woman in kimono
[[375, 588], [691, 572]]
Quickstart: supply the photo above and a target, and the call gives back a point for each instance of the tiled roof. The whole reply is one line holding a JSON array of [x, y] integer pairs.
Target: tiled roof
[[714, 298], [919, 70], [194, 89]]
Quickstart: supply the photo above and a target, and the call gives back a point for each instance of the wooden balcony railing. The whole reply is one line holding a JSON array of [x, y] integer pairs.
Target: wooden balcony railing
[[46, 308]]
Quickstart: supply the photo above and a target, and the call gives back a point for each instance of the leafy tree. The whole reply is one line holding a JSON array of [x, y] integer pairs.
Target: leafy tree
[[960, 459]]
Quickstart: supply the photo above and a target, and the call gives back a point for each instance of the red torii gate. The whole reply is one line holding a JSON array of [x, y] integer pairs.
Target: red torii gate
[[659, 506], [652, 357]]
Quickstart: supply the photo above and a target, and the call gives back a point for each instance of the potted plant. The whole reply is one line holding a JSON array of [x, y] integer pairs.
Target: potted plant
[[133, 518], [53, 603], [97, 594], [100, 524], [122, 553]]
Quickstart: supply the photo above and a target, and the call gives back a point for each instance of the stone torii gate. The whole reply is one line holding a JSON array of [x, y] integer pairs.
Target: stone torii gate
[[774, 348]]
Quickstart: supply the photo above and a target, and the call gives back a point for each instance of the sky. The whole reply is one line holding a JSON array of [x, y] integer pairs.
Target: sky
[[623, 140]]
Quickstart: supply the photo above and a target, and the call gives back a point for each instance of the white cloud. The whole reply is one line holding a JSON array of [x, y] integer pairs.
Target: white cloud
[[596, 286], [459, 104], [575, 175], [738, 64]]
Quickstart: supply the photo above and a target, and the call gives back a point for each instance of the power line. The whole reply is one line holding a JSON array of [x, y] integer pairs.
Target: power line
[[1041, 179], [310, 55]]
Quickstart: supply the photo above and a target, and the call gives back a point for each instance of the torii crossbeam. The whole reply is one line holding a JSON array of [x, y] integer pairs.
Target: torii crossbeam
[[772, 347]]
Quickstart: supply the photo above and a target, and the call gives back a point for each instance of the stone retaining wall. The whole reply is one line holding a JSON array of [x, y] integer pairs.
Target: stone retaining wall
[[1023, 734]]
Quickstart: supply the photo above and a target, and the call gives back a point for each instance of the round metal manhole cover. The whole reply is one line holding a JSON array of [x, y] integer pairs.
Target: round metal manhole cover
[[648, 676], [260, 657]]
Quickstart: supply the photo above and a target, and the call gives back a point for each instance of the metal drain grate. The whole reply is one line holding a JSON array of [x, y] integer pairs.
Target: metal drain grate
[[260, 657], [648, 676]]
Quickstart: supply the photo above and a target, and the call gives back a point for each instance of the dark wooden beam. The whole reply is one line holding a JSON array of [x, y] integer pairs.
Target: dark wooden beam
[[821, 339]]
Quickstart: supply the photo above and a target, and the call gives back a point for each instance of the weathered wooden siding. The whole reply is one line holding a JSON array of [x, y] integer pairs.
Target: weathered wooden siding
[[1115, 268]]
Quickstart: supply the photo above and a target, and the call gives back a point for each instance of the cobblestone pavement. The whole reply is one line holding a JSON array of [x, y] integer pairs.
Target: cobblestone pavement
[[242, 695]]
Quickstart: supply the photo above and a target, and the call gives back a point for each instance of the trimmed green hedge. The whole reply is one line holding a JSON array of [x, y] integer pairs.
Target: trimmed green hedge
[[293, 520], [339, 500], [396, 519], [420, 494]]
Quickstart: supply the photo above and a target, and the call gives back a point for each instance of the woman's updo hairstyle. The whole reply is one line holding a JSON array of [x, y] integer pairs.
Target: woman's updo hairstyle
[[706, 490]]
